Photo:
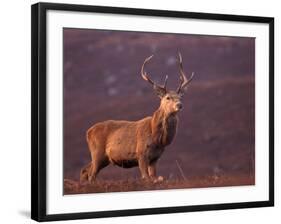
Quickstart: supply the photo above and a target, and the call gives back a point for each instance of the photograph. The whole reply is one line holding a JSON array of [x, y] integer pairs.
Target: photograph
[[146, 111]]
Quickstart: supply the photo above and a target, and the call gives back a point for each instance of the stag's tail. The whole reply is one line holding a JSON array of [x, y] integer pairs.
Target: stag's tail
[[84, 173]]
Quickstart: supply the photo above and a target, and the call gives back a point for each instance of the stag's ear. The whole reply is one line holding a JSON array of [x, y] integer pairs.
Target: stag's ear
[[161, 92]]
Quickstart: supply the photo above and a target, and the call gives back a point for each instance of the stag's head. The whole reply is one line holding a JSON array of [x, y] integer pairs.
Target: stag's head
[[170, 100]]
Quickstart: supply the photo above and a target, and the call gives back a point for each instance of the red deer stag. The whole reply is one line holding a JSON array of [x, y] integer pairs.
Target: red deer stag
[[137, 143]]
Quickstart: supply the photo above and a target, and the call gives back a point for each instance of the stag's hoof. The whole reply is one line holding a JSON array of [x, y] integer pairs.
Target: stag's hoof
[[145, 179], [158, 179], [91, 180]]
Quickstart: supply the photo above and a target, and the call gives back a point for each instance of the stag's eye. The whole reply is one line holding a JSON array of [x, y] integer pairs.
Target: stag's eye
[[168, 98]]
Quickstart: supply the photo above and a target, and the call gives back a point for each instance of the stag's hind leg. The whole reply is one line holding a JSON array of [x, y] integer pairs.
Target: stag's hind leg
[[97, 165], [97, 149], [93, 172], [99, 161], [84, 173]]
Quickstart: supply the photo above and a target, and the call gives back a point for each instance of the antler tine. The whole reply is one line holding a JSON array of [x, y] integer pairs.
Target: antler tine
[[189, 80], [183, 80], [146, 77], [143, 73], [165, 82]]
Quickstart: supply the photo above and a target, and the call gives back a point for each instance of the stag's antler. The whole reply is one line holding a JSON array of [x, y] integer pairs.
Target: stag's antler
[[146, 77], [183, 80]]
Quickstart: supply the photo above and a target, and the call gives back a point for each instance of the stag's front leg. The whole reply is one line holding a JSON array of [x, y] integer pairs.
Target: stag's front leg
[[152, 173], [152, 170], [143, 165]]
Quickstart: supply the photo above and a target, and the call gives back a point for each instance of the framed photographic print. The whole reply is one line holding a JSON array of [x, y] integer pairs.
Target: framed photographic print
[[138, 111]]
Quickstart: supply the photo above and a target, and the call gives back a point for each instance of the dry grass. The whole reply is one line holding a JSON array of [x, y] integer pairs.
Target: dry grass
[[102, 186]]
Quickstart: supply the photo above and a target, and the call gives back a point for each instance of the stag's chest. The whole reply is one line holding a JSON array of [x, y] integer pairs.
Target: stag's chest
[[171, 129], [166, 131]]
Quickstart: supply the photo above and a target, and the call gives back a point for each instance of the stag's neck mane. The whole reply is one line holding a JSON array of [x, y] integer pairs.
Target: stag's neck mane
[[163, 128]]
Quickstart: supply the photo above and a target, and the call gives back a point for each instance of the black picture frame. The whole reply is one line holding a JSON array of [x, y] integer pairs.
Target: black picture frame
[[39, 122]]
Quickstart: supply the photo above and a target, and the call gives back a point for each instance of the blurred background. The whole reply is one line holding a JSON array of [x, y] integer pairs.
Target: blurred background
[[216, 131]]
